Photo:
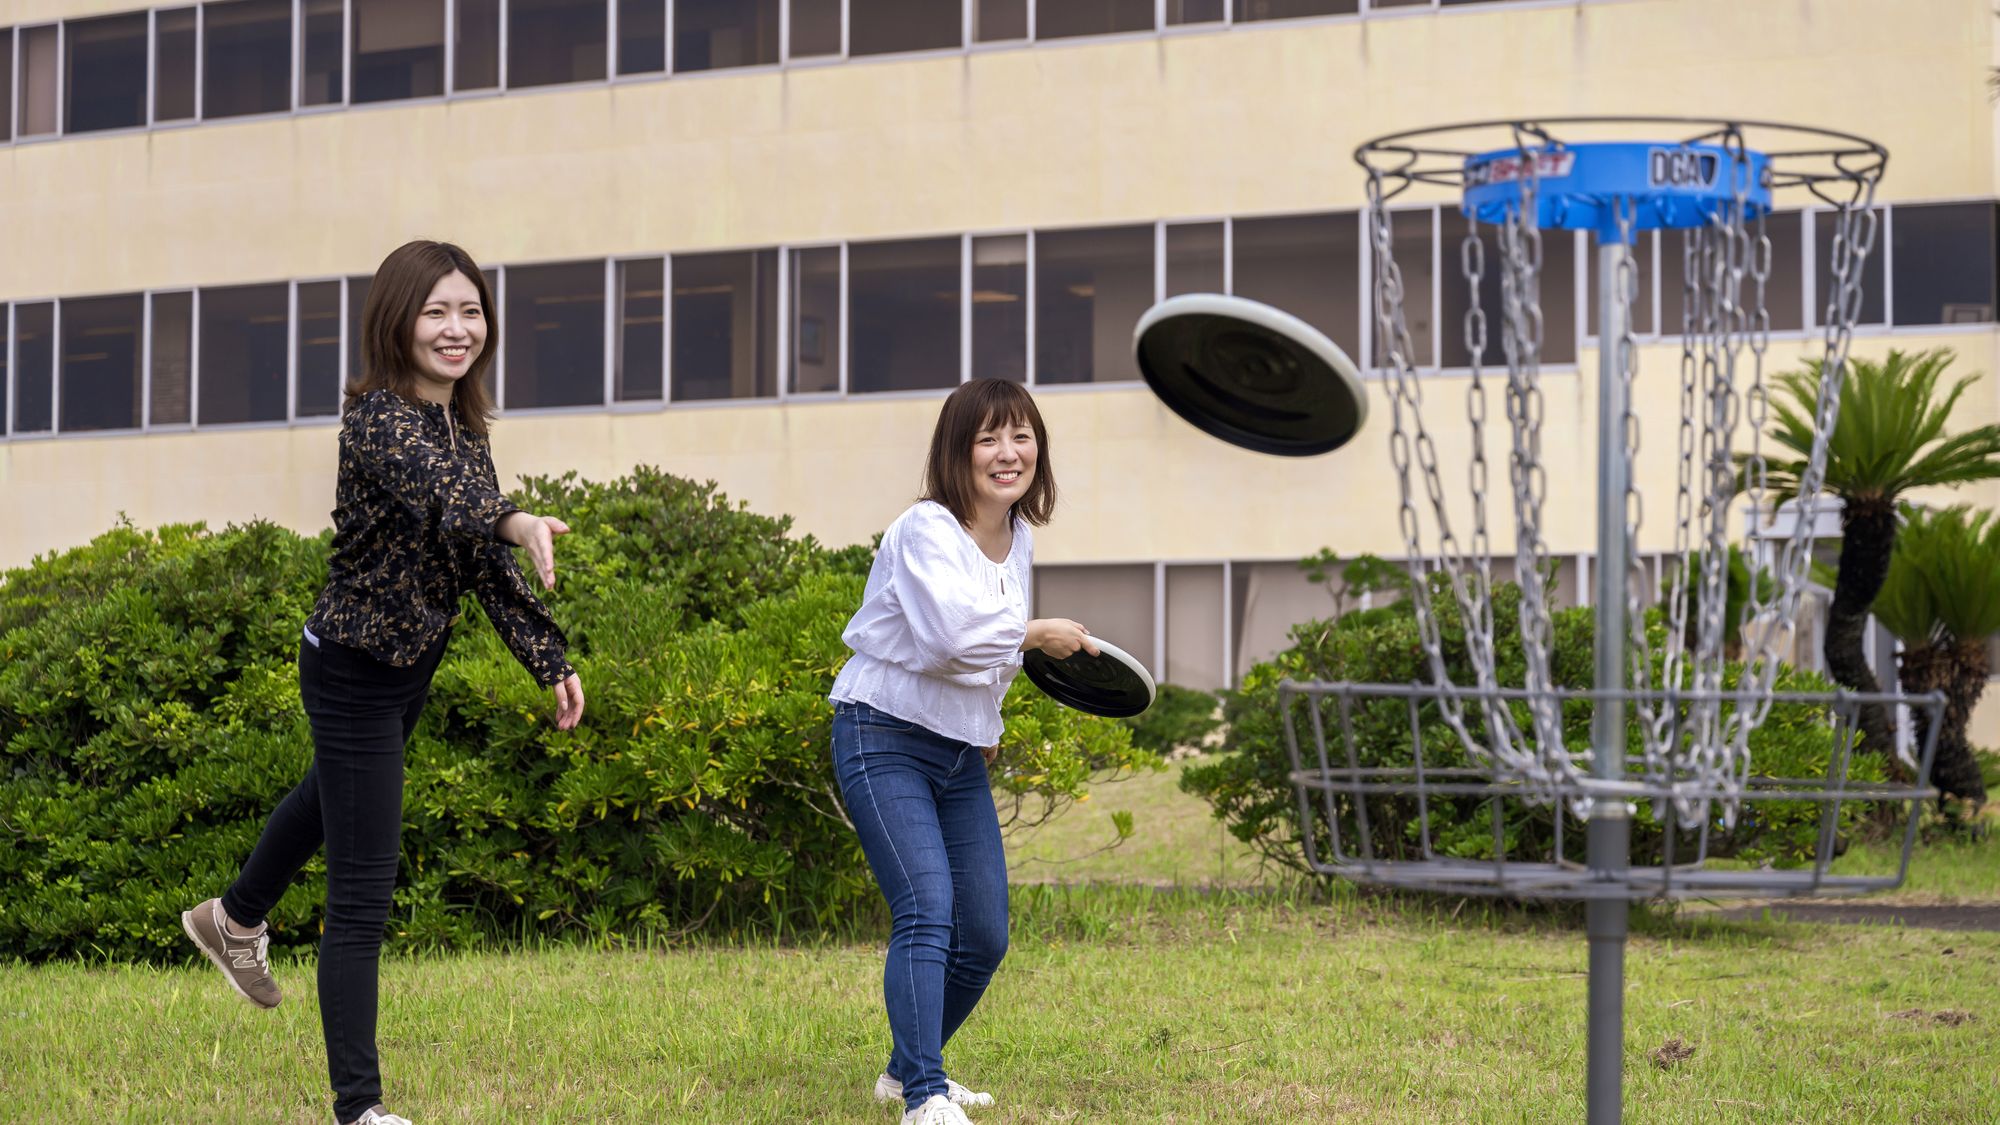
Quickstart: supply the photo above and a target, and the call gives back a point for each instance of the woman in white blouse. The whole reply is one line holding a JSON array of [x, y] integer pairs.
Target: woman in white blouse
[[936, 642]]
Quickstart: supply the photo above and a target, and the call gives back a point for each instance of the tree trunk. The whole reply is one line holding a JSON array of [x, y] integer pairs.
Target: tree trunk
[[1868, 536], [1956, 770], [1959, 671]]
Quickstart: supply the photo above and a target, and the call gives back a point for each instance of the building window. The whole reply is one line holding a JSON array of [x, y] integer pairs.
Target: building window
[[1000, 307], [1250, 11], [6, 109], [102, 377], [172, 360], [1942, 255], [1114, 602], [642, 36], [996, 21], [1194, 258], [1266, 600], [725, 319], [476, 60], [244, 340], [34, 367], [1557, 295], [715, 34], [322, 53], [816, 343], [1825, 223], [555, 335], [1307, 265], [1411, 246], [550, 42], [903, 315], [1194, 11], [1091, 286], [173, 65], [815, 28], [357, 300], [1195, 642], [40, 80], [880, 27], [638, 371], [1061, 19], [1784, 295], [105, 73], [316, 345], [246, 58], [398, 50]]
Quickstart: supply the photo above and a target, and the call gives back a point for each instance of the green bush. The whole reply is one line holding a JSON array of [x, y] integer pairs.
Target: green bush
[[150, 719], [1249, 784], [1178, 717]]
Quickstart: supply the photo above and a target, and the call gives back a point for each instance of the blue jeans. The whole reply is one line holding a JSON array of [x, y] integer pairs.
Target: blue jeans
[[923, 809]]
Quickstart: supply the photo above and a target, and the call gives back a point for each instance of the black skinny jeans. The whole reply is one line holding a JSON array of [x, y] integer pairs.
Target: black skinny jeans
[[351, 801]]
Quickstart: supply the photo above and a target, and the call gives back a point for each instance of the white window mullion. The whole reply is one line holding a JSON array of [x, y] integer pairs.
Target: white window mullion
[[614, 299], [500, 359], [1228, 619], [62, 67], [194, 359], [965, 308], [200, 67], [146, 362], [846, 347], [501, 63], [1160, 620], [1028, 294], [292, 351], [298, 54], [788, 358], [610, 40], [55, 368], [666, 329], [668, 62], [1885, 239], [784, 32], [1160, 253], [1437, 288], [1229, 256], [450, 47]]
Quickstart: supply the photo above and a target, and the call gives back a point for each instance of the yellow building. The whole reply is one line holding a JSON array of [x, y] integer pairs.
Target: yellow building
[[756, 240]]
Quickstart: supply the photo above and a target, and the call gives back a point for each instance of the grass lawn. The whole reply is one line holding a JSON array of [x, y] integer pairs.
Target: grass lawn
[[1119, 1004]]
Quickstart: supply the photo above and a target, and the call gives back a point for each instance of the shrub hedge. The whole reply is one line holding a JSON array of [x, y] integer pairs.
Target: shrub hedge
[[149, 720], [1249, 788]]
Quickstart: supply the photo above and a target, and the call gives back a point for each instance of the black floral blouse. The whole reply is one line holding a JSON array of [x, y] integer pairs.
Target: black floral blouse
[[414, 518]]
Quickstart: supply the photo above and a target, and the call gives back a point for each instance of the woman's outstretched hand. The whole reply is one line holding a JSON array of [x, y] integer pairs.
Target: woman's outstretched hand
[[569, 703], [537, 535]]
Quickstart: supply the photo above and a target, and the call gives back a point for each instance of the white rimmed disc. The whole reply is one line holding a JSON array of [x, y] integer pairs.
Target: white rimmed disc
[[1250, 374], [1111, 683]]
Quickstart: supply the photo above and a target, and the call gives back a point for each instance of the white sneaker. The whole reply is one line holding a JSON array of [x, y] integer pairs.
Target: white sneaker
[[937, 1111], [376, 1115], [888, 1089]]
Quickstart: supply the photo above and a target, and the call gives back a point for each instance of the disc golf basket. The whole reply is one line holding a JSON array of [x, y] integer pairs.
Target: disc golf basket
[[1393, 780]]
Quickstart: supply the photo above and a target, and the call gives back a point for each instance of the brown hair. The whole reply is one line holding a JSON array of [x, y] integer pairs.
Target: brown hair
[[985, 404], [402, 284]]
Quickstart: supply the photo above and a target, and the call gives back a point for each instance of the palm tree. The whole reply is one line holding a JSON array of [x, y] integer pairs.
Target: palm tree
[[1889, 439], [1942, 600]]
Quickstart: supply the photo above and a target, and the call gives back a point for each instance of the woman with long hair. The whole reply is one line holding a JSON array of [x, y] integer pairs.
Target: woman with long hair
[[419, 519], [937, 641]]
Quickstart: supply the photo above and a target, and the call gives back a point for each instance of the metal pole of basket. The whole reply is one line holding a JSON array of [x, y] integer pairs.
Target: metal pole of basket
[[1610, 830]]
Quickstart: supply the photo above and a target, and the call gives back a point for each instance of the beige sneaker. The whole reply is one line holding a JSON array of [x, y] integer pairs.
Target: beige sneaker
[[241, 959], [888, 1089]]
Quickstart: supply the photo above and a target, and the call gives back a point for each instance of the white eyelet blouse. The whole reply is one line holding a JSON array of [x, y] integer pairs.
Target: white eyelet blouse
[[937, 639]]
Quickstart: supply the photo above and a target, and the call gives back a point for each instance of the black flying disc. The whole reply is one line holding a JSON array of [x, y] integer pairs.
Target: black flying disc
[[1111, 683], [1252, 375]]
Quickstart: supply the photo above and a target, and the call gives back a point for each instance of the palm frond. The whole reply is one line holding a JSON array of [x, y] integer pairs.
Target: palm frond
[[1944, 579]]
